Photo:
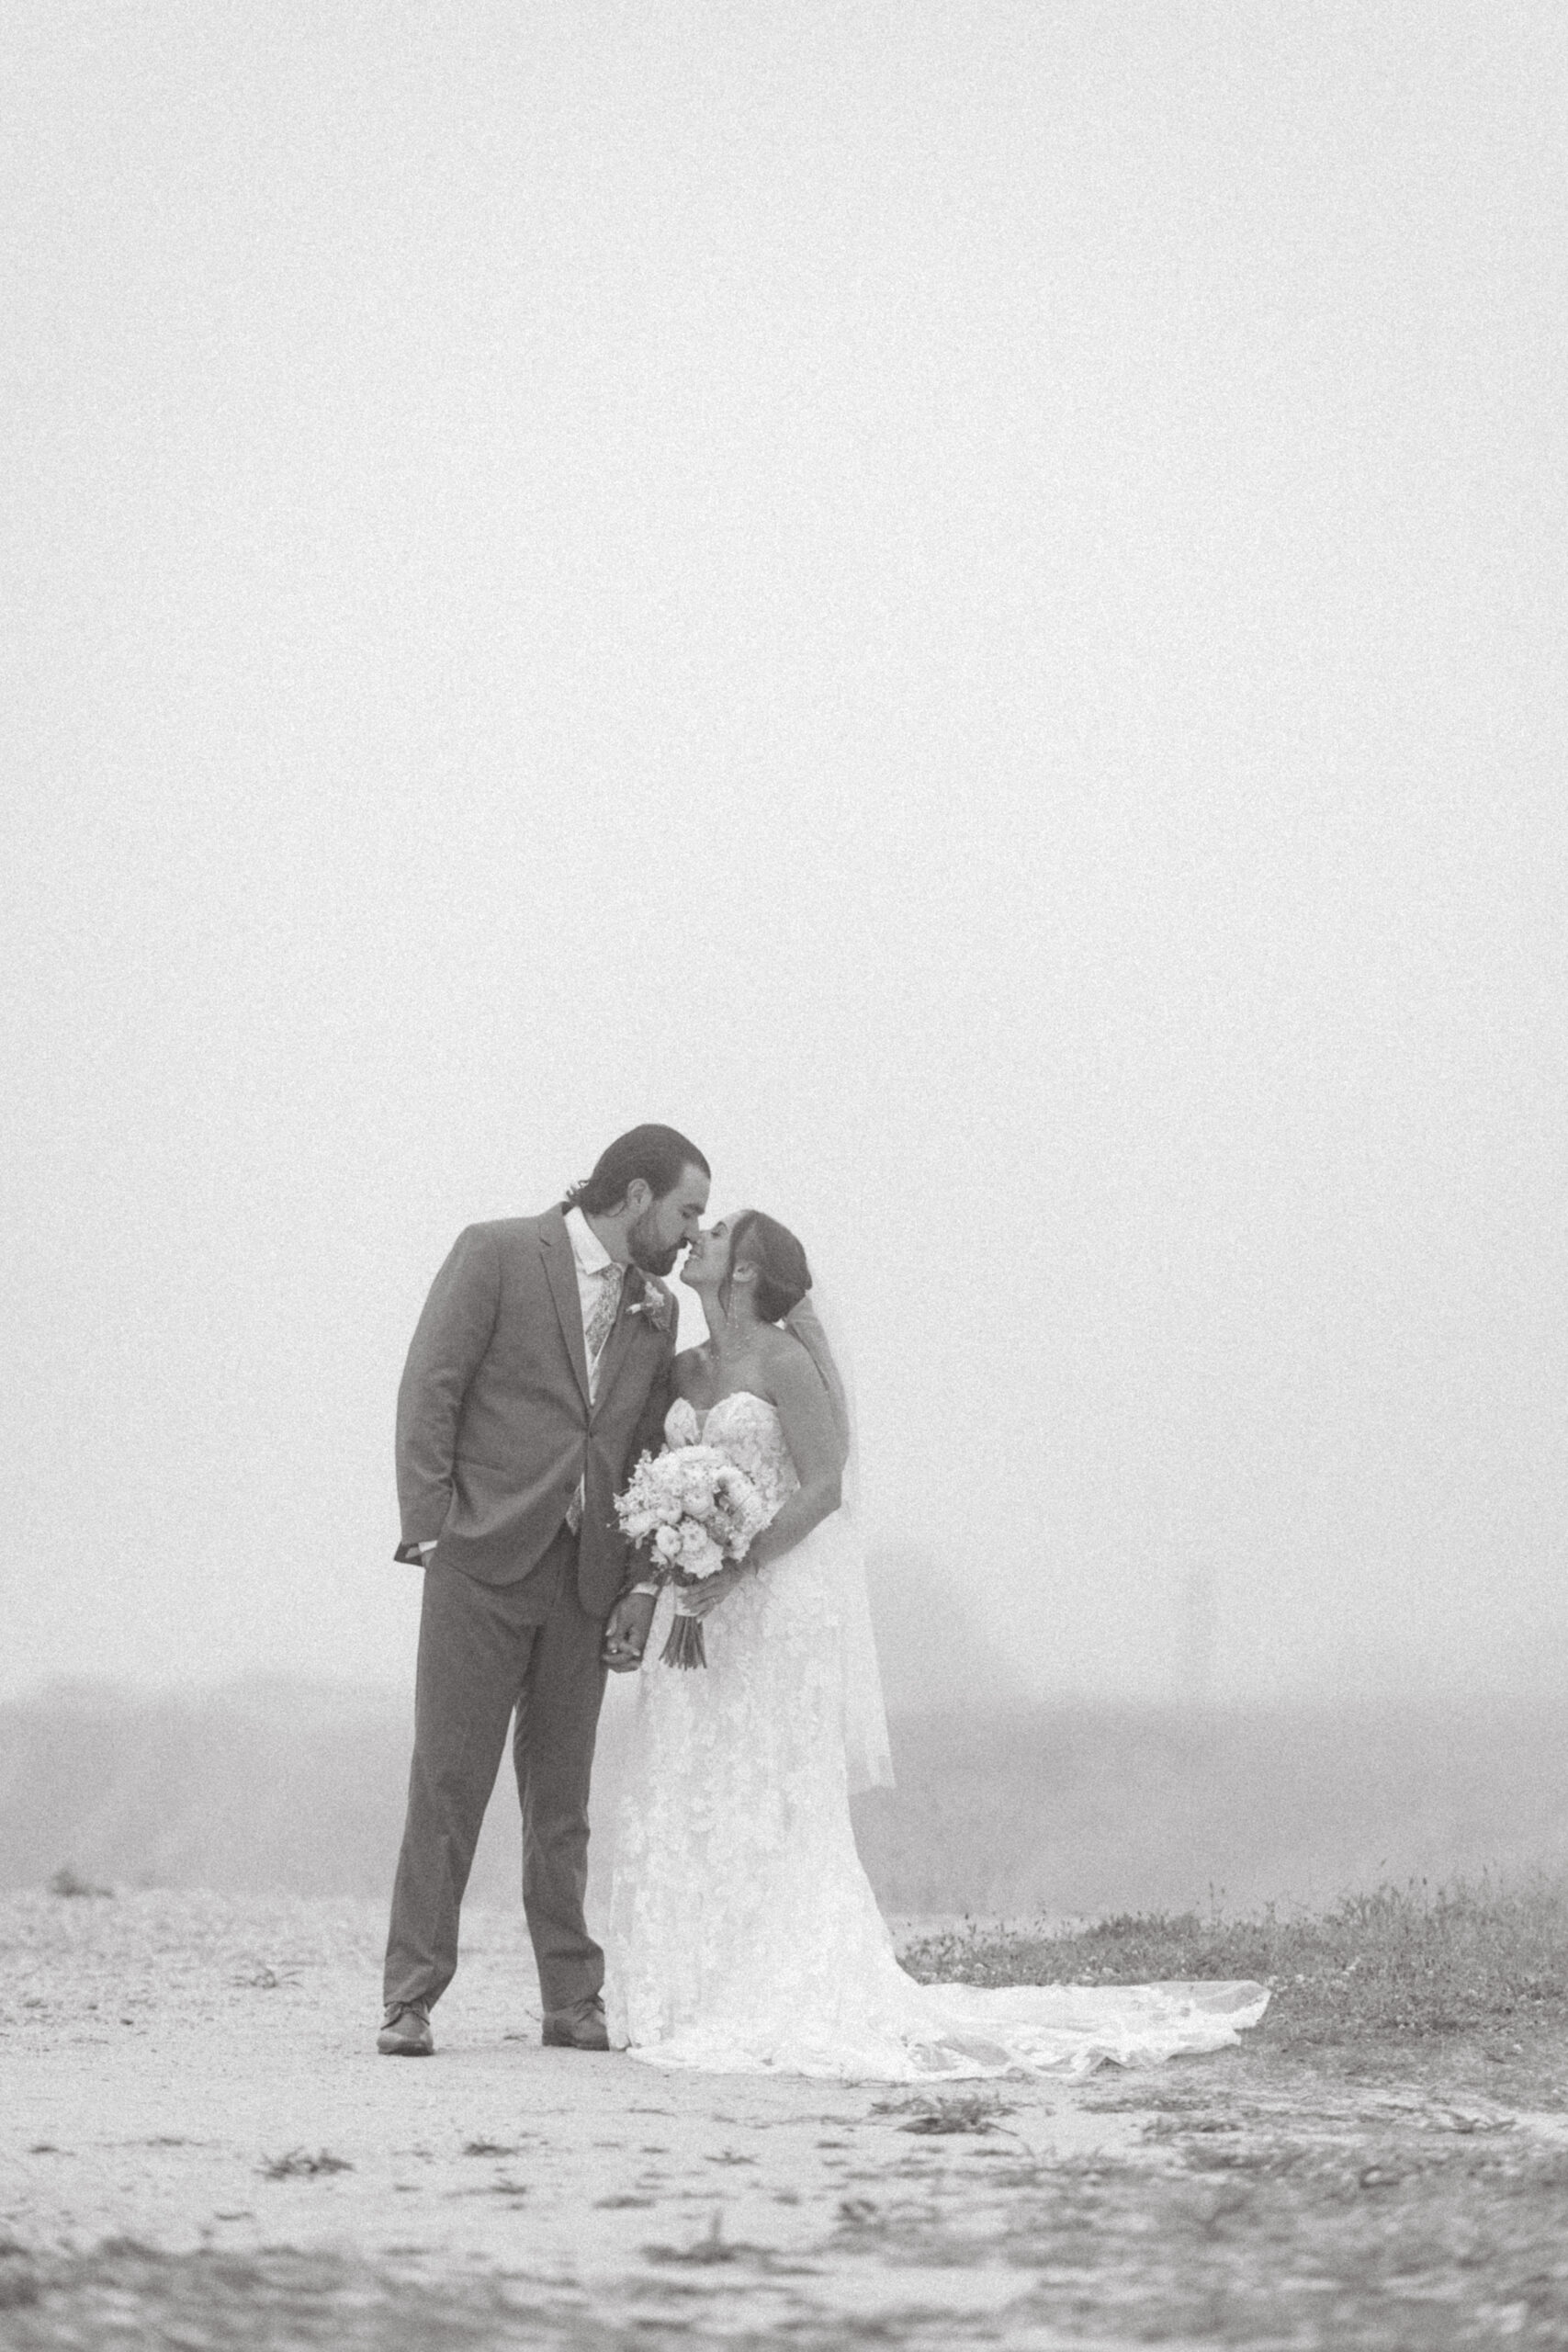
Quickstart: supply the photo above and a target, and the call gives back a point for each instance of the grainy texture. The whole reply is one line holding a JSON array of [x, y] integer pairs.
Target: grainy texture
[[201, 2150]]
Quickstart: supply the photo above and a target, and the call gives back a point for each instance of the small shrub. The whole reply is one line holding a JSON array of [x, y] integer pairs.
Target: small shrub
[[70, 1883]]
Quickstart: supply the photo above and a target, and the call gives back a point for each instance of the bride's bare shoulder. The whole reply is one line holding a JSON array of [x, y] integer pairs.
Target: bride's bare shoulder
[[780, 1354], [688, 1369]]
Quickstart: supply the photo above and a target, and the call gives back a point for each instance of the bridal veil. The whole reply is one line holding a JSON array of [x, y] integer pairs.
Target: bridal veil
[[867, 1754]]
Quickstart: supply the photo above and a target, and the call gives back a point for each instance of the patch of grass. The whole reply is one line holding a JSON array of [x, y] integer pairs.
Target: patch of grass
[[711, 2248], [962, 2111], [1395, 2241], [19, 2282], [299, 2165], [1406, 1962], [285, 2299], [1399, 2247], [1178, 2127], [1295, 2243]]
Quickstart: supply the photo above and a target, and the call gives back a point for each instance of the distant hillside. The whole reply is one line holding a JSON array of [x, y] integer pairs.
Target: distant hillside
[[264, 1783], [299, 1787], [1092, 1809]]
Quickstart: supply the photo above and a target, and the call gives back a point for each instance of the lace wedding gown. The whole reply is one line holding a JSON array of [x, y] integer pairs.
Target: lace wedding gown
[[744, 1936]]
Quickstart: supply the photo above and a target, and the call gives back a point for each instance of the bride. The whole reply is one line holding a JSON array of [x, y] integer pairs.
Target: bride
[[744, 1936]]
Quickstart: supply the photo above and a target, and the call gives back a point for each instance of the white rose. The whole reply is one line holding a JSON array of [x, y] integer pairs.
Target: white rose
[[699, 1554]]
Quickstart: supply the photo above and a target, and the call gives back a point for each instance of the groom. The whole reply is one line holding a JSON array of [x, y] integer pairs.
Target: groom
[[538, 1373]]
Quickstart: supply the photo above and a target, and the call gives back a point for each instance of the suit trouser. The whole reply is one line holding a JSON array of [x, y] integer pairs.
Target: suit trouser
[[484, 1651]]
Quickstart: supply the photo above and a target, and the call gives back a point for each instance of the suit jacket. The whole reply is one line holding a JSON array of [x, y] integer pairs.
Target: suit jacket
[[494, 1423]]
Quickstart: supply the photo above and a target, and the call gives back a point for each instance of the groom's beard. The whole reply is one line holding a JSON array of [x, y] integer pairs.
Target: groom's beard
[[651, 1255], [654, 1261]]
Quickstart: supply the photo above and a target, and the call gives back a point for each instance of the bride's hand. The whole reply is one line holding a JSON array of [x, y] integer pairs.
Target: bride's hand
[[702, 1598]]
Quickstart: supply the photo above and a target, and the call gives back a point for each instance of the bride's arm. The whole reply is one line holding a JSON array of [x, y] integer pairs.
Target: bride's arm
[[810, 1432], [805, 1410]]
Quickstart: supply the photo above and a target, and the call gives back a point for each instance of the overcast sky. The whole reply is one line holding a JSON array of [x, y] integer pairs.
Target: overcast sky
[[965, 601]]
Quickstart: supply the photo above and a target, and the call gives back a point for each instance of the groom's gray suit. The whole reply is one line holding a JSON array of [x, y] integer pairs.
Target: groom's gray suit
[[496, 1427]]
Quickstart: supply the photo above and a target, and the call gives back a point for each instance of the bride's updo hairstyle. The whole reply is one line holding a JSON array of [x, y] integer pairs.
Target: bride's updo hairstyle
[[782, 1276]]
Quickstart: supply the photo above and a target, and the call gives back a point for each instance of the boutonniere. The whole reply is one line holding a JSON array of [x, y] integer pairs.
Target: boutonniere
[[655, 1306]]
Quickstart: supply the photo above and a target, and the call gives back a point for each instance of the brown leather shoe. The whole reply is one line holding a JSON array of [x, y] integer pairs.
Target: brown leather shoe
[[581, 2028], [405, 2031]]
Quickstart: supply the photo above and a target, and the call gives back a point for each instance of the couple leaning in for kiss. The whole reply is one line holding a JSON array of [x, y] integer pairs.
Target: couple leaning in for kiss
[[743, 1935]]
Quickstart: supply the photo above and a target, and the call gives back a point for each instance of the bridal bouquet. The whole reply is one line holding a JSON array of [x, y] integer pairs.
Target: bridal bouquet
[[687, 1512]]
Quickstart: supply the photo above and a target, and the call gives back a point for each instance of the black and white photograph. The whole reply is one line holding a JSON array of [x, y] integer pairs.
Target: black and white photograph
[[786, 1243]]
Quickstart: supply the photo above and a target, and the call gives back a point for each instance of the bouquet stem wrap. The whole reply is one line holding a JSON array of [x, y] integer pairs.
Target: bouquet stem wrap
[[685, 1644]]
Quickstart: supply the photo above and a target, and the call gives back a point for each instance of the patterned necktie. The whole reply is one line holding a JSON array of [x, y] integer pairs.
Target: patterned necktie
[[601, 1316], [600, 1323]]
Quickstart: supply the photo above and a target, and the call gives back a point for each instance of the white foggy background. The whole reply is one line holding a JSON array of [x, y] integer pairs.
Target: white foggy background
[[965, 602]]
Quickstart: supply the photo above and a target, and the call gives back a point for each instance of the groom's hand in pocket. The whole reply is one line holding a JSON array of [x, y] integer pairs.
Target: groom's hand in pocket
[[625, 1634]]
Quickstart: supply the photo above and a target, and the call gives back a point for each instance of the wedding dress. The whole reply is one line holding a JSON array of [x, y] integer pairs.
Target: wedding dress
[[744, 1936]]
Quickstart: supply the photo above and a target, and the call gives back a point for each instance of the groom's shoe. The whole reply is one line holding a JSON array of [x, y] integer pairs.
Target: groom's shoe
[[580, 2028], [405, 2031]]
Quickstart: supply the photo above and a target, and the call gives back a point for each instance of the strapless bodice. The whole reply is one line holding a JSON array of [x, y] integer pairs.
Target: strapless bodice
[[747, 1430]]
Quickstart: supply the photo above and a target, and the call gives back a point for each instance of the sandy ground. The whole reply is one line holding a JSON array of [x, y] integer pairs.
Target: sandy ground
[[195, 2073], [163, 2057]]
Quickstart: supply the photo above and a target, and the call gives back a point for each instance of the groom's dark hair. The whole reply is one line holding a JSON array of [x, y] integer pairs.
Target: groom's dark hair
[[661, 1156]]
